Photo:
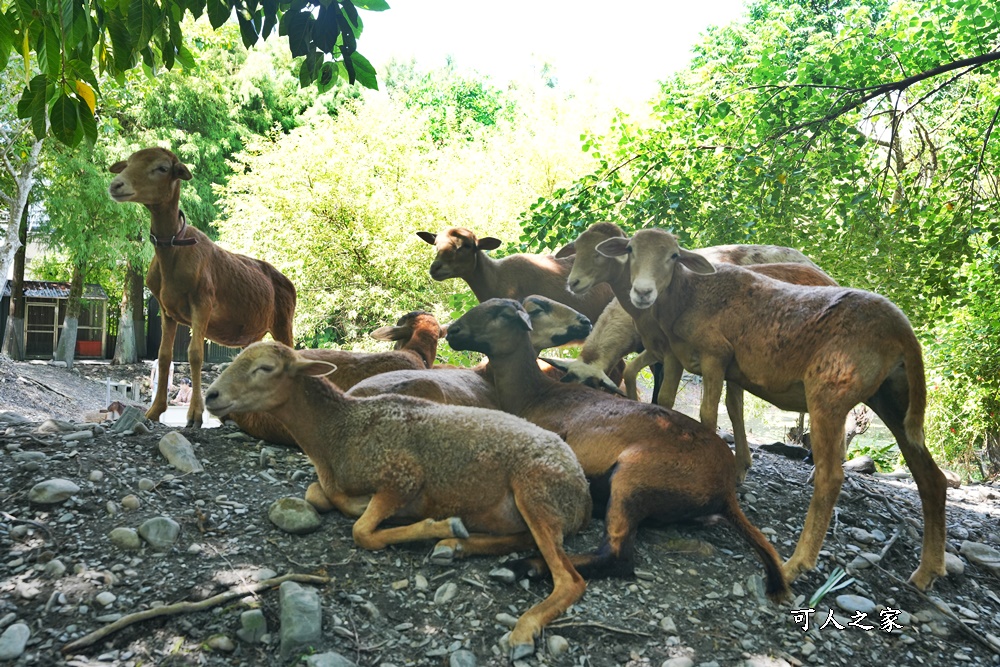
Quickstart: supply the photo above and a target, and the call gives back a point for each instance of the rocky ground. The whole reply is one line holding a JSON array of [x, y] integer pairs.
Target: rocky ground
[[127, 531]]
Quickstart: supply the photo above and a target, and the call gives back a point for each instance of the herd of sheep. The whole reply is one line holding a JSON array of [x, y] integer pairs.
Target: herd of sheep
[[515, 454]]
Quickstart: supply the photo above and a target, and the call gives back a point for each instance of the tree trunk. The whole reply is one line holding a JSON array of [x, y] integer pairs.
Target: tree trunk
[[993, 453], [136, 287], [14, 336], [24, 179], [66, 348], [125, 348]]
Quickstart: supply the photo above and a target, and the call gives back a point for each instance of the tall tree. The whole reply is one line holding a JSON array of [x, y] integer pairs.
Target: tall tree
[[13, 342]]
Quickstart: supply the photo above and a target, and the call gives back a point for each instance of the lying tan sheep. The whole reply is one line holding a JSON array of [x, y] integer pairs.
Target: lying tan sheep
[[477, 480], [816, 349], [644, 461]]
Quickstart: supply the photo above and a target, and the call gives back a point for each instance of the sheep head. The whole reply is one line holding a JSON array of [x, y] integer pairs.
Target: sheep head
[[589, 266], [653, 255], [495, 326], [407, 326], [554, 323], [457, 252], [150, 176], [260, 379]]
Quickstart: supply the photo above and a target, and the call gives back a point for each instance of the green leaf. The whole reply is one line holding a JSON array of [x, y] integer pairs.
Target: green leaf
[[270, 17], [49, 51], [87, 123], [349, 44], [327, 76], [123, 49], [219, 12], [32, 105], [365, 73], [310, 68], [350, 12], [65, 120], [185, 58], [372, 5], [142, 16], [248, 30], [327, 28], [298, 27], [6, 39]]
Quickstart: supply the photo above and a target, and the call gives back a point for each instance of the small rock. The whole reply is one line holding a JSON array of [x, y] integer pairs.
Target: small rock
[[221, 643], [96, 476], [462, 658], [125, 538], [160, 531], [55, 569], [506, 620], [52, 491], [24, 457], [861, 464], [557, 645], [400, 584], [807, 649], [13, 641], [26, 591], [445, 593], [328, 659], [668, 626], [503, 574], [859, 535], [301, 619], [982, 554], [682, 661], [263, 574], [294, 515], [738, 591], [50, 426], [105, 598], [954, 564], [420, 582], [952, 478], [863, 561], [179, 452], [131, 502], [253, 626], [853, 603], [146, 484], [78, 435]]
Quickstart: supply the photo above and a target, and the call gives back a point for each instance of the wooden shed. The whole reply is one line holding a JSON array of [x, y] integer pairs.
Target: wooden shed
[[45, 309]]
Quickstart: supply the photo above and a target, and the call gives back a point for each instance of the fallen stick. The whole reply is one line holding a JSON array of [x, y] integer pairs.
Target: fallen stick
[[185, 607], [593, 624]]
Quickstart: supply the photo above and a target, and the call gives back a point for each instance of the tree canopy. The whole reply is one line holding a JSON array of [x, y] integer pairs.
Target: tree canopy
[[67, 46]]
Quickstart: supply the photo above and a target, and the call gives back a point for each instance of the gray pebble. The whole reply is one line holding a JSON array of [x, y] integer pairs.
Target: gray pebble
[[125, 538], [445, 593], [146, 484], [682, 661], [13, 641], [160, 532], [52, 491], [131, 502], [853, 603], [253, 626], [55, 569], [294, 515], [462, 658], [328, 659], [301, 619], [557, 645]]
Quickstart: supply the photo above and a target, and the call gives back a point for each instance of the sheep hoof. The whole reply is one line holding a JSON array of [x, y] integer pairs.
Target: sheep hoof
[[458, 528], [442, 555], [518, 651]]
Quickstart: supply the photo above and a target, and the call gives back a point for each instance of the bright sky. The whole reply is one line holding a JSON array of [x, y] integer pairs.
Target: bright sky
[[626, 46]]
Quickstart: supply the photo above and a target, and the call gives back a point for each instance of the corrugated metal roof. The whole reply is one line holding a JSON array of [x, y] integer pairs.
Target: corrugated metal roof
[[51, 290]]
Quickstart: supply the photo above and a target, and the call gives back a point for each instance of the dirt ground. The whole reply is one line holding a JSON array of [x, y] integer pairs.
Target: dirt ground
[[695, 594]]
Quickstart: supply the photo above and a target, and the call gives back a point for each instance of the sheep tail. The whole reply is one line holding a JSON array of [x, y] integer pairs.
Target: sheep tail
[[775, 586], [913, 423]]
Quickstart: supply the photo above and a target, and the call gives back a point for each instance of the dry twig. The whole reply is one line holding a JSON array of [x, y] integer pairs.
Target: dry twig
[[187, 607]]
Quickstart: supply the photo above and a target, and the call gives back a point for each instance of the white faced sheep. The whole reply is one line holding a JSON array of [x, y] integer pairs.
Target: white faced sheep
[[415, 336], [476, 480], [229, 298], [816, 349], [643, 461], [592, 268], [461, 255], [553, 324]]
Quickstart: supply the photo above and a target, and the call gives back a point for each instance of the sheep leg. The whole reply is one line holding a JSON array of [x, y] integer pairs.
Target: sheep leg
[[672, 373], [734, 406], [481, 545], [383, 505], [712, 374], [163, 360], [632, 370], [827, 436], [568, 585], [930, 484], [196, 358], [352, 506]]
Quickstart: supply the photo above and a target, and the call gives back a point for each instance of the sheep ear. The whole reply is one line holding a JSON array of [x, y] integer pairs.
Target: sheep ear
[[389, 333], [182, 172], [567, 250], [522, 315], [488, 243], [561, 364], [695, 262], [118, 167], [616, 247], [428, 237], [313, 367]]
